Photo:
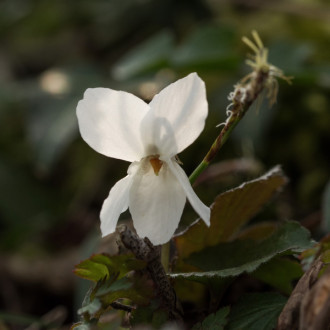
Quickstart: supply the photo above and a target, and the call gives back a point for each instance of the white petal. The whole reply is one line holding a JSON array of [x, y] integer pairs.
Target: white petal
[[156, 203], [109, 121], [115, 204], [179, 110], [158, 136], [201, 209]]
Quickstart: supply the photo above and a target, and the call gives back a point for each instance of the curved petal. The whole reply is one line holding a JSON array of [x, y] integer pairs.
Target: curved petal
[[156, 203], [116, 203], [183, 107], [109, 121], [158, 136], [201, 209]]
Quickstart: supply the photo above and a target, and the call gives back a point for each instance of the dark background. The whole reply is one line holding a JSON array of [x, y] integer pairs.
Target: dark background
[[53, 184]]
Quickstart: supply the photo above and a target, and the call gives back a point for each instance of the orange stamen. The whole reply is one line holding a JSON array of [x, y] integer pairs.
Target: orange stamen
[[156, 164]]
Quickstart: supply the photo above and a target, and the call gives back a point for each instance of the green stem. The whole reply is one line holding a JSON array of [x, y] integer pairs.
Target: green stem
[[165, 256], [216, 146], [198, 170], [240, 107]]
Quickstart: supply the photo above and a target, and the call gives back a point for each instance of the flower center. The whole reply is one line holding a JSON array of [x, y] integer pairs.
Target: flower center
[[156, 164]]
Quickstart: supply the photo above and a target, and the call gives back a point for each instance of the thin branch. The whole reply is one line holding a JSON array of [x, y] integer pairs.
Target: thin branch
[[122, 307], [144, 250]]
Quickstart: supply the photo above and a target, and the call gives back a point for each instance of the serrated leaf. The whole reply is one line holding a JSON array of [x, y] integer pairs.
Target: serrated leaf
[[214, 321], [92, 271], [234, 258], [258, 311], [279, 273], [230, 211]]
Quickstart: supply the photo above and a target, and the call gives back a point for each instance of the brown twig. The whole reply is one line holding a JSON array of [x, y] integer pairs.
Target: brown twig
[[144, 250], [289, 317], [122, 307], [315, 307]]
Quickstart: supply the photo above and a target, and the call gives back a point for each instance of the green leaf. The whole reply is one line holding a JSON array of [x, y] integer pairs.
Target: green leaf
[[120, 263], [234, 258], [321, 248], [100, 266], [214, 321], [114, 280], [149, 56], [119, 285], [91, 308], [137, 288], [258, 311], [90, 270], [279, 273], [258, 231], [326, 257], [208, 47], [151, 314], [230, 211]]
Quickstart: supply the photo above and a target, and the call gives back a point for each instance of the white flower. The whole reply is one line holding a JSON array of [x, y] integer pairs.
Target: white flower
[[120, 125]]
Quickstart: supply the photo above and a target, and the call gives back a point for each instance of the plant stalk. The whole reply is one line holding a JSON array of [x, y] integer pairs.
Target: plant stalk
[[243, 97]]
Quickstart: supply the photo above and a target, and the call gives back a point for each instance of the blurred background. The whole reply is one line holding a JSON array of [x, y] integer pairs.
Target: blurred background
[[53, 184]]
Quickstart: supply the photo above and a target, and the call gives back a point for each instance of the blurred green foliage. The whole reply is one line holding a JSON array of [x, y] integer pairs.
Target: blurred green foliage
[[53, 184]]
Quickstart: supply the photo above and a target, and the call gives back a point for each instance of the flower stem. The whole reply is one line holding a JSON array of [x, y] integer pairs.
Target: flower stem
[[263, 77], [242, 98], [198, 170], [144, 250], [217, 144], [165, 256]]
